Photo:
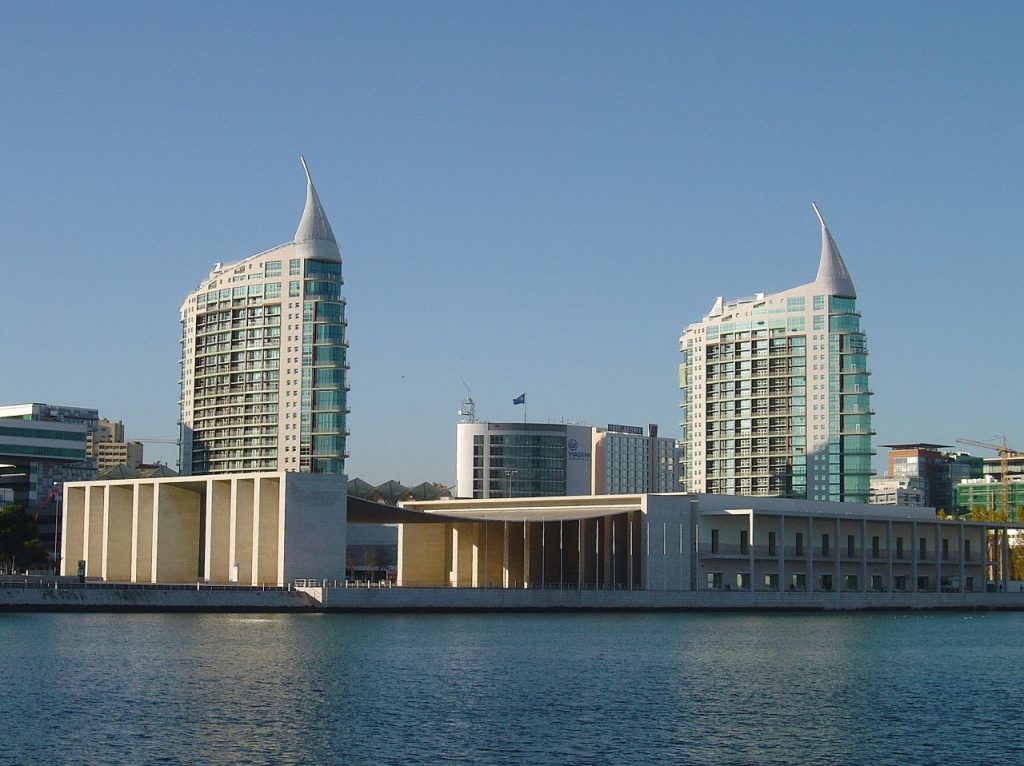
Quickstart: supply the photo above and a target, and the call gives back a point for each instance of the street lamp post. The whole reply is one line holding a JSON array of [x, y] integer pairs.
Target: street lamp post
[[509, 475]]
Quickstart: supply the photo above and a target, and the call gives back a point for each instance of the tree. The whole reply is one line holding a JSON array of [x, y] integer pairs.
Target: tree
[[19, 539]]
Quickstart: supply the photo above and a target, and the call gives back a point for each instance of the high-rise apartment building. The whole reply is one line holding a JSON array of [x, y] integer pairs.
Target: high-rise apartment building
[[263, 358], [107, 444], [776, 399]]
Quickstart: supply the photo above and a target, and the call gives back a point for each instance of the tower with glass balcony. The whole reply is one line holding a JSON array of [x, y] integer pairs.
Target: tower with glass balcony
[[776, 395], [263, 359]]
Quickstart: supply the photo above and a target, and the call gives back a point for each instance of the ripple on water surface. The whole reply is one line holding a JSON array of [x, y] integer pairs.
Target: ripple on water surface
[[512, 689]]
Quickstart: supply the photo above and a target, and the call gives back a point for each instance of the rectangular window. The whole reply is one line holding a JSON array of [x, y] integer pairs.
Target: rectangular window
[[967, 550], [850, 547], [825, 546], [799, 544], [744, 541], [945, 549], [771, 544], [272, 269], [714, 541], [294, 289], [922, 548], [294, 267], [899, 547], [875, 548]]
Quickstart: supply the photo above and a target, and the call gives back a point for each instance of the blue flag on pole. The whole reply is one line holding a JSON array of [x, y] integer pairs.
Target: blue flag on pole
[[521, 399]]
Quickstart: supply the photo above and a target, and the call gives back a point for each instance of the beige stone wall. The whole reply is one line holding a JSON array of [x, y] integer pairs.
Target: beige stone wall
[[421, 555]]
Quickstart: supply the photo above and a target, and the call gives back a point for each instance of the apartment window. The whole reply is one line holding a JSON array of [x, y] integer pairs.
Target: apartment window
[[850, 582], [799, 544], [771, 546], [945, 549], [825, 582], [825, 545], [851, 548], [744, 541], [714, 541], [922, 548], [875, 547], [899, 547]]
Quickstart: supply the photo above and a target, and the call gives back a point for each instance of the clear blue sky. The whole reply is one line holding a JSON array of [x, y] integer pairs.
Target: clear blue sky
[[536, 197]]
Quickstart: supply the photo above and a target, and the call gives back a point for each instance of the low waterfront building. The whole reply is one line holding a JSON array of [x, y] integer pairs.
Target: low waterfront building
[[250, 529], [691, 542]]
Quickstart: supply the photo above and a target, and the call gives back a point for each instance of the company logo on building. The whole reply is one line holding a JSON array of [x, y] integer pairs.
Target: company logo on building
[[574, 452]]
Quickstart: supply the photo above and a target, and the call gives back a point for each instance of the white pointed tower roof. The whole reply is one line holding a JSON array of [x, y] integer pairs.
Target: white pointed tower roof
[[314, 233], [833, 277]]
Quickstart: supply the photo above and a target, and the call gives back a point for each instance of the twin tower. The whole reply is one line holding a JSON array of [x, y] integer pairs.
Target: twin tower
[[776, 399]]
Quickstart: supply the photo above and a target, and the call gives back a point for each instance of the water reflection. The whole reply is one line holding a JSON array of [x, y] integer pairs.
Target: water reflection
[[511, 689]]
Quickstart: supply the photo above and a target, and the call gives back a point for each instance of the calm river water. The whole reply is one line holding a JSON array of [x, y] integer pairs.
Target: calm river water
[[512, 689]]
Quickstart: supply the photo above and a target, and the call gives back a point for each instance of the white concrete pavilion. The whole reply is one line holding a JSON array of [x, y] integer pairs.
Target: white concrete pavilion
[[250, 529]]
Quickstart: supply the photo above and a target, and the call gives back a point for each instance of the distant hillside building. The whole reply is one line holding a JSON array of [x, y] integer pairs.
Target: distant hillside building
[[263, 359], [776, 393]]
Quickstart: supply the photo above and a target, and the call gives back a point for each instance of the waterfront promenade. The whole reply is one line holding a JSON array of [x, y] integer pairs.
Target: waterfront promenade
[[38, 594]]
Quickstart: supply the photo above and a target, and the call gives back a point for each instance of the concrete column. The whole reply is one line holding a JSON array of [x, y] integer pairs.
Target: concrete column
[[782, 552], [864, 555], [888, 553], [218, 559], [984, 558], [913, 556], [837, 585], [1006, 559], [960, 547], [504, 555], [810, 555], [750, 551]]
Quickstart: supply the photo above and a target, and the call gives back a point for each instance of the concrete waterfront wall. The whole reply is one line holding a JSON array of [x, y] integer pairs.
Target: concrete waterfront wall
[[61, 597], [485, 599]]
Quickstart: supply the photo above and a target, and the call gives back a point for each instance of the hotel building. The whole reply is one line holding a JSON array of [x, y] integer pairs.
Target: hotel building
[[776, 400], [263, 359], [552, 459]]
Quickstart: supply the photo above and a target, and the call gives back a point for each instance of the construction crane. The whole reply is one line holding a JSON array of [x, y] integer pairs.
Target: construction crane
[[1005, 453]]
